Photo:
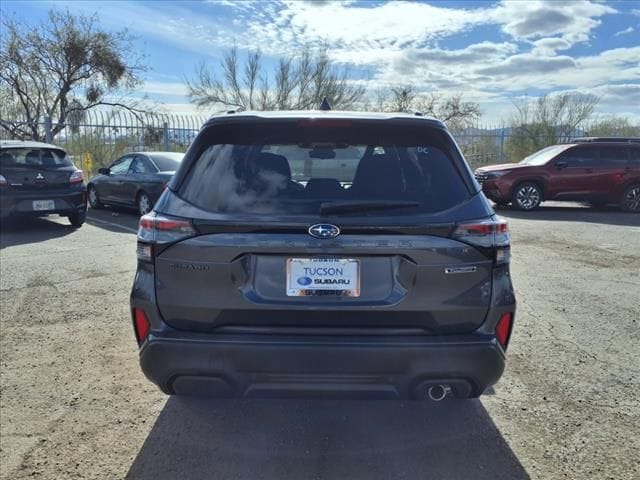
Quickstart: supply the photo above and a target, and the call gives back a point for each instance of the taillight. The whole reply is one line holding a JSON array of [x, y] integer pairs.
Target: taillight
[[3, 181], [492, 233], [157, 229], [503, 329], [76, 177], [141, 325]]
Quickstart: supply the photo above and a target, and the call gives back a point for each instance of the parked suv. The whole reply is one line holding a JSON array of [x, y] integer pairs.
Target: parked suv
[[595, 170], [324, 254], [38, 179]]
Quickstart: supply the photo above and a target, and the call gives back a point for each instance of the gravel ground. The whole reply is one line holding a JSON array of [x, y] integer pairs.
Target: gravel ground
[[74, 404]]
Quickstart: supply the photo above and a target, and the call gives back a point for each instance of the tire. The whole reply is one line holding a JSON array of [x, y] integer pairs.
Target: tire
[[77, 219], [94, 200], [630, 201], [526, 196], [144, 203]]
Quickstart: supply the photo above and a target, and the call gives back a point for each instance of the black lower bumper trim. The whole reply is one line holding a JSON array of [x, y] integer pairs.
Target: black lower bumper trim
[[312, 367]]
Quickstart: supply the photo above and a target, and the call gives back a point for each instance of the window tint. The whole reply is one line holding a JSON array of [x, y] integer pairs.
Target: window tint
[[142, 165], [613, 156], [298, 175], [167, 162], [34, 157], [121, 166], [635, 154], [578, 157]]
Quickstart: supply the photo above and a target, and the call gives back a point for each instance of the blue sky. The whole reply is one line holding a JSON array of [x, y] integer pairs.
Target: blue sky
[[492, 52]]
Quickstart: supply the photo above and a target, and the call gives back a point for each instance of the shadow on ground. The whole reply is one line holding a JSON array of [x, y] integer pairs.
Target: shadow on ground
[[22, 231], [113, 218], [609, 215], [268, 439]]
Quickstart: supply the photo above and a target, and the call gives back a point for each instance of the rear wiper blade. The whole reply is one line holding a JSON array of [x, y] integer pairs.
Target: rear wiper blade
[[364, 206]]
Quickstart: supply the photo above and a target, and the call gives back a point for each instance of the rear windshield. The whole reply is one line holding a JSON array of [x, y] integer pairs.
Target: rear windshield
[[167, 162], [294, 169], [34, 158]]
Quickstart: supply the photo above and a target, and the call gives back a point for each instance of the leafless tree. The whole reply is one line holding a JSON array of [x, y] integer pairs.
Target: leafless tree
[[297, 82], [61, 68], [453, 109], [547, 120]]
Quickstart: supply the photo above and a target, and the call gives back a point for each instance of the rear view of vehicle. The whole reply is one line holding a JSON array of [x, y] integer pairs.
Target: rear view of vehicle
[[324, 254], [38, 179]]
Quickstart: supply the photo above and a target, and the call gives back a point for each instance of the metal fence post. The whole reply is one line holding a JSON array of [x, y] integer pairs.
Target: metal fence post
[[47, 129], [165, 136], [501, 154]]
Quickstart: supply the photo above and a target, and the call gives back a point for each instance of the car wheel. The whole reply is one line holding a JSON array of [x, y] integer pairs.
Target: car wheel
[[526, 196], [144, 203], [77, 219], [94, 200], [631, 199]]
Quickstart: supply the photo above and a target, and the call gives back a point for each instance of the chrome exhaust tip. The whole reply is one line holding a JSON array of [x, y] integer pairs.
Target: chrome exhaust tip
[[438, 392]]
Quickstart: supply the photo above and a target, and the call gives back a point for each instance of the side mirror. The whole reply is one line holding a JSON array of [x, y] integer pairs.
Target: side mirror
[[561, 164], [103, 171]]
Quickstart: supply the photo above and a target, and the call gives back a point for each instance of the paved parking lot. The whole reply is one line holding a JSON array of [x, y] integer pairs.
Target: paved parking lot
[[74, 403]]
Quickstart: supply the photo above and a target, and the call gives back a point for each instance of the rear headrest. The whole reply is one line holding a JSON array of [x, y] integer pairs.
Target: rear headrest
[[47, 158], [378, 176], [33, 157], [6, 158], [270, 162]]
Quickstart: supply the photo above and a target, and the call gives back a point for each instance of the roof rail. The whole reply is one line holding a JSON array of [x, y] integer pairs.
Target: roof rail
[[607, 139]]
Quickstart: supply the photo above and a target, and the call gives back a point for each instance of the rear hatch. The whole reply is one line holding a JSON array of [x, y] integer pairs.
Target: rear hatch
[[346, 228], [35, 169]]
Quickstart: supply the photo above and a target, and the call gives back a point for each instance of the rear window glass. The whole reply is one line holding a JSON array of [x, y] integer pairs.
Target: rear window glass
[[299, 170], [168, 162], [34, 157]]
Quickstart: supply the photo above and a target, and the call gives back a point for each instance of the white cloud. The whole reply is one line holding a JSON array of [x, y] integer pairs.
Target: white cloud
[[626, 31], [164, 88], [574, 20]]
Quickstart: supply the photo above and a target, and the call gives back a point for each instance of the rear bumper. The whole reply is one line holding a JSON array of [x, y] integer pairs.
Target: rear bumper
[[65, 202], [293, 366]]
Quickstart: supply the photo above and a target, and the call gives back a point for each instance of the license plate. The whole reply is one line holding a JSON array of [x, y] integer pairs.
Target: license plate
[[39, 205], [323, 276]]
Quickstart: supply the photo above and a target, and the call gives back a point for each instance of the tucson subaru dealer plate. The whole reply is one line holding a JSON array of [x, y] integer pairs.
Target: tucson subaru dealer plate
[[323, 276], [39, 205]]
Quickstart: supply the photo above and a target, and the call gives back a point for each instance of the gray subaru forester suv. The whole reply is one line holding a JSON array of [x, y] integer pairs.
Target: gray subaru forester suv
[[322, 253]]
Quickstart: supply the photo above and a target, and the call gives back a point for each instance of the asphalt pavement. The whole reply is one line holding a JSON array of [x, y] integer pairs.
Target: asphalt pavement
[[74, 403]]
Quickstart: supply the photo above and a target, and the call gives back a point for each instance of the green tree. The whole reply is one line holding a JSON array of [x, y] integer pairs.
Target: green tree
[[61, 68]]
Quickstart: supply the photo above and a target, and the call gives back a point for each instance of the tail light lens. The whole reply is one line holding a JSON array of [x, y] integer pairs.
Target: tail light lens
[[503, 329], [141, 325], [76, 177], [156, 229], [492, 233], [3, 181]]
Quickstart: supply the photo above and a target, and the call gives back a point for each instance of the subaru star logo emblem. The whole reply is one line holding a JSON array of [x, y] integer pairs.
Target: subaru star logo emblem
[[39, 176], [324, 230]]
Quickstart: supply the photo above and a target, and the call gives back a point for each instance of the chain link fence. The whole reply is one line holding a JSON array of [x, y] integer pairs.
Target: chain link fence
[[102, 136]]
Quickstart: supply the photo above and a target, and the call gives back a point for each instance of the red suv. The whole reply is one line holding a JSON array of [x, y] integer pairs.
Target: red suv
[[596, 170]]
